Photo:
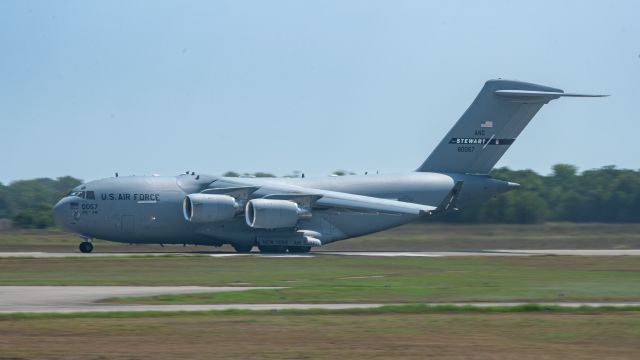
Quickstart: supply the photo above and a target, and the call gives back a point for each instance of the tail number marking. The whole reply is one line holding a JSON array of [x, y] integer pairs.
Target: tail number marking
[[467, 149]]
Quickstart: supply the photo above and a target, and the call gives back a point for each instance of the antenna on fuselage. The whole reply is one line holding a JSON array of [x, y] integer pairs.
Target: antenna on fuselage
[[116, 174]]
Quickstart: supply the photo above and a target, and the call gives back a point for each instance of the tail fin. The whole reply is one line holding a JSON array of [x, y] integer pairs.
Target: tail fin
[[489, 126]]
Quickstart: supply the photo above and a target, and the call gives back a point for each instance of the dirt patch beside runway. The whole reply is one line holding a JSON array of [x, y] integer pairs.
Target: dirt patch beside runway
[[519, 336]]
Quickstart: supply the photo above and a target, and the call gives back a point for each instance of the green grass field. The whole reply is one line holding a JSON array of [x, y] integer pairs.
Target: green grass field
[[327, 279]]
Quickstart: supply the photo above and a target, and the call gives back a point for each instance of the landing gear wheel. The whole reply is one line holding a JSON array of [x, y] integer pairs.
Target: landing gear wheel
[[86, 247], [299, 249], [273, 249], [243, 248]]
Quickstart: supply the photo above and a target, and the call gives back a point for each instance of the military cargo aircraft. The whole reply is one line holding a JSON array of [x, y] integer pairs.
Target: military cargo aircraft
[[295, 214]]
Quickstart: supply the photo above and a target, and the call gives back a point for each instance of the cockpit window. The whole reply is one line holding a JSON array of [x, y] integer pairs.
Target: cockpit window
[[79, 194], [90, 195]]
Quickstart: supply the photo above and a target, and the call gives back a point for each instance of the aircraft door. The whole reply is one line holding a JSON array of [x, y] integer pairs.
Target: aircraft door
[[127, 225]]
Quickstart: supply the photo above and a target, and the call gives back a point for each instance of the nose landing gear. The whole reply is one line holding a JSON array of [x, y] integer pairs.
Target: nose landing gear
[[86, 247]]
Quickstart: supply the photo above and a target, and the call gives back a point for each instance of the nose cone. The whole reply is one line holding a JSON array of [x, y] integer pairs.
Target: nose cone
[[61, 213]]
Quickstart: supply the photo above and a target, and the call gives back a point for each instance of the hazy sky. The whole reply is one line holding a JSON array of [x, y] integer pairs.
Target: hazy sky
[[88, 88]]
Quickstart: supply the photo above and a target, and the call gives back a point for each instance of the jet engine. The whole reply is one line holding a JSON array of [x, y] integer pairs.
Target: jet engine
[[204, 208], [273, 214]]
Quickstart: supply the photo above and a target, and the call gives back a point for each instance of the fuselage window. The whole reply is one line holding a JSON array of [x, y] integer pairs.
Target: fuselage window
[[90, 195]]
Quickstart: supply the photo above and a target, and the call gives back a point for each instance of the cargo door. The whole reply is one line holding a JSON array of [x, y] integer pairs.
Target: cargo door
[[127, 225]]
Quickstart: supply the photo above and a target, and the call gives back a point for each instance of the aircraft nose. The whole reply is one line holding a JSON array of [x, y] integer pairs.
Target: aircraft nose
[[61, 213]]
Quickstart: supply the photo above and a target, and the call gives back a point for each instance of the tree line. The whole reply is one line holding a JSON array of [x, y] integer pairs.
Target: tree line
[[606, 194], [28, 203]]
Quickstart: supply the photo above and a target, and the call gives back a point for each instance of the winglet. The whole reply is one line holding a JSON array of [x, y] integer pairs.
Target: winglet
[[449, 201]]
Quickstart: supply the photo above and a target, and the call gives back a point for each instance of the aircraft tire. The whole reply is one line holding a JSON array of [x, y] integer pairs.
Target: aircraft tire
[[242, 248], [86, 247], [299, 249], [273, 249]]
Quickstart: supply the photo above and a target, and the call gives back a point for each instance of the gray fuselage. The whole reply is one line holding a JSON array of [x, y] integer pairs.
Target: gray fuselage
[[149, 209]]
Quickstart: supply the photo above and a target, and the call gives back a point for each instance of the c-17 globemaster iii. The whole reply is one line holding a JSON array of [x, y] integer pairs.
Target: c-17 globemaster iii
[[296, 214]]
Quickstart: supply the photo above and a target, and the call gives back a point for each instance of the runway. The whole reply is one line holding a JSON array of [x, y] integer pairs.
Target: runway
[[498, 252], [72, 299], [83, 298]]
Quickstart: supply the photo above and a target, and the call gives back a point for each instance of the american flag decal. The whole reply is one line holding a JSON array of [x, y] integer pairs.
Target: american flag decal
[[486, 124]]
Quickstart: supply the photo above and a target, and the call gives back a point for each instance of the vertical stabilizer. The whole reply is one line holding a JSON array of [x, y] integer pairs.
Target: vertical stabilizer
[[490, 125]]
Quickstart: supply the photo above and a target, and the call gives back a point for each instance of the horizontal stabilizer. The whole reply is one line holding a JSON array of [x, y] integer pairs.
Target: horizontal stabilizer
[[542, 95]]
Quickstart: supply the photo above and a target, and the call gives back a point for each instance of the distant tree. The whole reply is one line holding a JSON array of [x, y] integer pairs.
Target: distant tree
[[231, 174], [29, 202], [294, 174], [342, 173], [564, 172], [5, 209], [607, 194], [260, 174], [65, 183], [34, 218], [526, 207]]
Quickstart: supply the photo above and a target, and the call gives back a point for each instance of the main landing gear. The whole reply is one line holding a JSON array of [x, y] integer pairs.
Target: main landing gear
[[281, 249], [243, 249], [272, 249], [86, 247], [299, 249]]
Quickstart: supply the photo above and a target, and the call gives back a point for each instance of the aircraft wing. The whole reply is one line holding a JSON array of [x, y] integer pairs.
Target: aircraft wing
[[351, 202], [347, 201], [317, 199]]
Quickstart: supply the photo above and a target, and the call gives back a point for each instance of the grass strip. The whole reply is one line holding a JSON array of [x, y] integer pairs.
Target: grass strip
[[386, 309]]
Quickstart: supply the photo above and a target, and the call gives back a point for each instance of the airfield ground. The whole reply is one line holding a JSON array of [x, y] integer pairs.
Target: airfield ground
[[406, 332], [609, 335], [340, 279]]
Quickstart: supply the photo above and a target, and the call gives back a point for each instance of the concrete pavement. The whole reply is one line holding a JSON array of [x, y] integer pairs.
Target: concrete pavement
[[498, 252], [72, 299]]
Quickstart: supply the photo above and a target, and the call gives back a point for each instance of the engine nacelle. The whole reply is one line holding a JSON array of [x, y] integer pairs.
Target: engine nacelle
[[205, 208], [273, 214]]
